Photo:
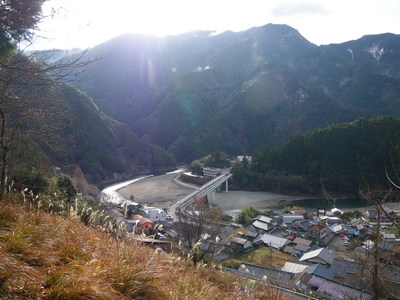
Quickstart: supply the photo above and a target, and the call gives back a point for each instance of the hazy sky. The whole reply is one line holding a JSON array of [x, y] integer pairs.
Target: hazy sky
[[86, 23]]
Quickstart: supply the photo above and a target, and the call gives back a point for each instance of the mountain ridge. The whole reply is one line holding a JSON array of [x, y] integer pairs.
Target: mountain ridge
[[171, 89]]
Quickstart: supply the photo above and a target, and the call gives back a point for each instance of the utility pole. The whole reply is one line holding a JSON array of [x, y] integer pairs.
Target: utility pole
[[270, 255]]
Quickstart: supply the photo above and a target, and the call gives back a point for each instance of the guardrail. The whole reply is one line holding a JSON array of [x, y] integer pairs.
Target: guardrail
[[206, 188], [203, 190]]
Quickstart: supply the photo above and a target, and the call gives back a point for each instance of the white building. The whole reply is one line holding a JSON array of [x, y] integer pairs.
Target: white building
[[155, 214], [211, 172]]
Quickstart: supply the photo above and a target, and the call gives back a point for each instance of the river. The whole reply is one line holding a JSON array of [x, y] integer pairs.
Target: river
[[162, 190]]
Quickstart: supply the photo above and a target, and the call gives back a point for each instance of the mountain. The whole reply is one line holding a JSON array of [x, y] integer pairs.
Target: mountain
[[200, 92], [103, 147], [78, 133]]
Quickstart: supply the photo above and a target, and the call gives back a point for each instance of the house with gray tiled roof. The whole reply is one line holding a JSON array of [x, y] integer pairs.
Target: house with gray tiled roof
[[270, 240], [262, 227], [319, 256], [295, 267], [270, 274], [336, 290], [320, 270], [288, 219]]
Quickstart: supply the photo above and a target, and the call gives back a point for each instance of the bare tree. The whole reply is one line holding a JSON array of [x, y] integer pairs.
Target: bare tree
[[199, 229], [377, 266], [29, 104]]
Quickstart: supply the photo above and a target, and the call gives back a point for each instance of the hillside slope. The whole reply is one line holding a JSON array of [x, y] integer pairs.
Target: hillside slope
[[345, 157], [47, 256], [79, 133]]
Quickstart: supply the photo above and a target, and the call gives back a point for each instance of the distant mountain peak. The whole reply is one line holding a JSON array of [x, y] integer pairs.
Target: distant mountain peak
[[282, 34]]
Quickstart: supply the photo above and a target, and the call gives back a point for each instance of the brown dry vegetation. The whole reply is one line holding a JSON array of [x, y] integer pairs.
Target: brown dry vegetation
[[261, 257], [49, 256]]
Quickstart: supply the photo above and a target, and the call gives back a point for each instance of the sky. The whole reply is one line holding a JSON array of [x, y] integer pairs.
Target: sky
[[86, 23]]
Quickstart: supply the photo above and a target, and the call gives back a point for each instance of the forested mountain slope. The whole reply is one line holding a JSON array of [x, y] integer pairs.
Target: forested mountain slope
[[345, 157], [198, 92], [101, 146]]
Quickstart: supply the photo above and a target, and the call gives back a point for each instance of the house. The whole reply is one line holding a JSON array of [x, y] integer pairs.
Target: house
[[262, 227], [302, 241], [316, 233], [319, 256], [290, 234], [241, 243], [301, 246], [288, 250], [329, 220], [301, 225], [251, 235], [299, 249], [264, 223], [155, 214], [241, 157], [143, 223], [270, 240], [209, 246], [388, 237], [302, 212], [211, 172], [267, 220], [336, 290], [320, 270], [371, 214], [288, 219], [164, 245], [265, 273], [295, 267], [336, 228]]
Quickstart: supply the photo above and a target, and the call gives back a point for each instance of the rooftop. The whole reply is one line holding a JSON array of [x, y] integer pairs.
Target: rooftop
[[302, 241], [272, 240], [294, 267], [322, 253], [316, 228]]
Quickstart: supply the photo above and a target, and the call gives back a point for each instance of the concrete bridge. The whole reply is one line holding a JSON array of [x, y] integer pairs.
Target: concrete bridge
[[204, 190]]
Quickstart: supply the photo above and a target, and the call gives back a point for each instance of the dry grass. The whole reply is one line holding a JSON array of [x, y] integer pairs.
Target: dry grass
[[261, 257], [49, 256]]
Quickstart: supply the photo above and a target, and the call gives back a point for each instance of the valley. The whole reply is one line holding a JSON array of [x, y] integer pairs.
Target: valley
[[271, 128]]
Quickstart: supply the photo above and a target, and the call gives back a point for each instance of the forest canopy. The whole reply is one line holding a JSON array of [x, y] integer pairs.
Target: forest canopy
[[344, 157]]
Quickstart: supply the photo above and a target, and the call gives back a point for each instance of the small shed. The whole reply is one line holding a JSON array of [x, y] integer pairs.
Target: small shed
[[241, 242]]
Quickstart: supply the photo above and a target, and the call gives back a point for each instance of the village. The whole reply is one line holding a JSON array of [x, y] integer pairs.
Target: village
[[329, 253]]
